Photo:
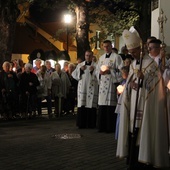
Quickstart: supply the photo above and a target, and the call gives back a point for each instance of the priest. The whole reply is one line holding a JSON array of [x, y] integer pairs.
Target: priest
[[109, 76], [87, 92], [146, 124]]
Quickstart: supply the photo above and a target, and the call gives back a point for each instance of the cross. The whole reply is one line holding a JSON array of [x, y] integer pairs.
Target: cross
[[161, 20]]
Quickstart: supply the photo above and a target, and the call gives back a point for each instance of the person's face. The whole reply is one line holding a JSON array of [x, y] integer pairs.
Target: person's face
[[43, 69], [27, 70], [70, 68], [58, 68], [38, 64], [15, 63], [6, 67], [48, 65], [107, 47], [127, 62], [124, 74], [66, 66], [88, 56], [135, 53], [154, 49]]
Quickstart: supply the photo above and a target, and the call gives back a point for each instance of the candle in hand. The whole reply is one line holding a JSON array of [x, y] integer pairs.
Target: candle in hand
[[104, 68], [120, 89]]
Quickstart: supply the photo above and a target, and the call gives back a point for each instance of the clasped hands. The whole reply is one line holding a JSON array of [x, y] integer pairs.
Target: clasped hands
[[91, 68], [133, 84]]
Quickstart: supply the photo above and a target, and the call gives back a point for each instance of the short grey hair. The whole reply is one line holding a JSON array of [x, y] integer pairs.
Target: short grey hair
[[38, 60], [6, 63], [47, 61], [28, 65]]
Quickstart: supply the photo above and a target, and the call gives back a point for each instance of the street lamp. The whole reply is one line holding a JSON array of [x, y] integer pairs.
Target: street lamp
[[67, 20]]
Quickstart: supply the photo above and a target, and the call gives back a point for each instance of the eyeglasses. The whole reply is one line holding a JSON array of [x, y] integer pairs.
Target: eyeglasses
[[151, 48]]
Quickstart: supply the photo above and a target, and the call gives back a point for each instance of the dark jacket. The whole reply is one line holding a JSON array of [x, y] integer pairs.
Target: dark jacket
[[25, 79], [7, 82]]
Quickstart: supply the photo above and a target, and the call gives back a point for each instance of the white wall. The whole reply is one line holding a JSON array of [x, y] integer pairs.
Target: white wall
[[155, 29], [154, 23]]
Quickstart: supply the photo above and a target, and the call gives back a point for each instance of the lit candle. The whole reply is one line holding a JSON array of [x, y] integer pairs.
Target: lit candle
[[104, 68], [120, 89], [14, 69]]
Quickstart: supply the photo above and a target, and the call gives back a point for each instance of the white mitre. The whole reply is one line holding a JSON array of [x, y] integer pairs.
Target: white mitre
[[131, 38]]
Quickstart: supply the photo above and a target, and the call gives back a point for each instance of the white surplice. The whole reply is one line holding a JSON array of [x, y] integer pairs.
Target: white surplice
[[87, 90], [166, 76], [107, 87], [151, 116]]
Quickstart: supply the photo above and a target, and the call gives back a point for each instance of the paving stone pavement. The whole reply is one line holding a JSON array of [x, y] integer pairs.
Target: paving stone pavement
[[32, 145]]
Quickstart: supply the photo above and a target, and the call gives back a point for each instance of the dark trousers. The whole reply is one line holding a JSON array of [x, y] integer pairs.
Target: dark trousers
[[10, 102], [86, 117], [69, 103], [28, 104], [49, 105], [107, 119]]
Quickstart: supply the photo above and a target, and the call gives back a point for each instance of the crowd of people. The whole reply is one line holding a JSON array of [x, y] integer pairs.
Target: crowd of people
[[126, 93], [24, 87]]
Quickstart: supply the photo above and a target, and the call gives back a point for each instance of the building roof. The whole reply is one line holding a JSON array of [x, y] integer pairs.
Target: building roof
[[27, 40], [33, 25]]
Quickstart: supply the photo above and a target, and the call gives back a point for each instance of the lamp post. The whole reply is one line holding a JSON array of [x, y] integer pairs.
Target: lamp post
[[67, 20]]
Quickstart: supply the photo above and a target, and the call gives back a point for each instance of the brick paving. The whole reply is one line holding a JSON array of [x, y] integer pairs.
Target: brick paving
[[31, 145]]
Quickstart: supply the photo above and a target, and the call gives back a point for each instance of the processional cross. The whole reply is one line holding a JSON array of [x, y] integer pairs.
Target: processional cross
[[161, 20]]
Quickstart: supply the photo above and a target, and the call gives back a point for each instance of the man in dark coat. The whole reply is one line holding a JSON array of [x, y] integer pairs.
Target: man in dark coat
[[28, 90], [9, 91]]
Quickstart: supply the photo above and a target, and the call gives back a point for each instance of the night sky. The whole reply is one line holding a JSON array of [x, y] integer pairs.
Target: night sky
[[47, 15]]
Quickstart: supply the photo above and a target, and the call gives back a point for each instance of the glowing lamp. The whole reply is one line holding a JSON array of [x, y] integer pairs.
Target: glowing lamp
[[104, 68], [14, 69], [120, 89]]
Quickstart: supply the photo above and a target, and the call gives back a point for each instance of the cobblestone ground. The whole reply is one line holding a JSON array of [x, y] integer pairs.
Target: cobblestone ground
[[36, 145], [32, 145]]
